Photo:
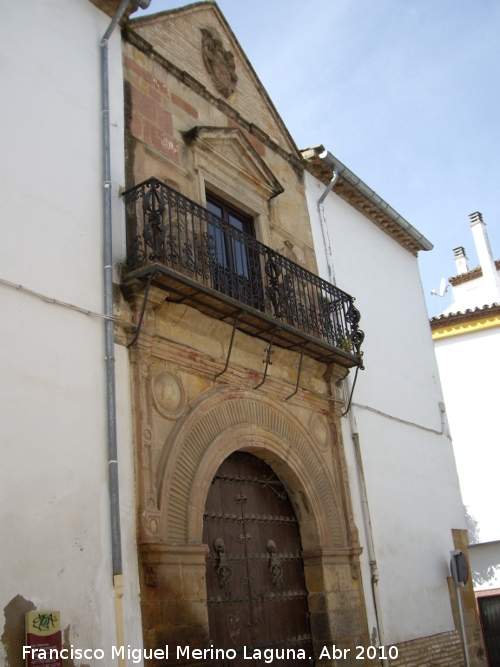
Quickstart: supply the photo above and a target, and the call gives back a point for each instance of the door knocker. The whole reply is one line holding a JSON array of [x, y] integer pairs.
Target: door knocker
[[223, 570], [275, 563]]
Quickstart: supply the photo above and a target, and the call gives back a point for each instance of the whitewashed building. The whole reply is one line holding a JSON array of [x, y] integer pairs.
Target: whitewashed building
[[406, 493], [61, 549], [55, 517], [467, 342]]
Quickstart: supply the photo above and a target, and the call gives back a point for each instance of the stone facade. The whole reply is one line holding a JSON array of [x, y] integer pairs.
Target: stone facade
[[183, 131], [187, 423], [167, 96], [199, 120]]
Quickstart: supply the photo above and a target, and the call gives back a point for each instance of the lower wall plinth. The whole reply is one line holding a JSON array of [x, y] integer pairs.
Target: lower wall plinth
[[443, 650], [173, 600], [336, 605]]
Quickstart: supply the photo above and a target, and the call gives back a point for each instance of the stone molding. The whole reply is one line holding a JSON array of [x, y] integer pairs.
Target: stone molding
[[184, 554], [227, 150], [230, 419], [319, 429], [333, 555], [169, 395], [328, 556]]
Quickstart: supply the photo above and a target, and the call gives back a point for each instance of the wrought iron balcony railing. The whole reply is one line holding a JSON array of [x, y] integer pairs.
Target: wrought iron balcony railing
[[209, 264]]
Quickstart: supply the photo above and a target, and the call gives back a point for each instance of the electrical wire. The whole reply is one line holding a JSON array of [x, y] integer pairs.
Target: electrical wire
[[131, 325], [72, 306], [443, 430]]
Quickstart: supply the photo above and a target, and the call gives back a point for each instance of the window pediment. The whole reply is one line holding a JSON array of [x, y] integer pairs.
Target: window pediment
[[227, 150]]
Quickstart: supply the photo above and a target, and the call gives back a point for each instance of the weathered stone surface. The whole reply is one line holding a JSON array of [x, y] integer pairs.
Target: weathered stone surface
[[178, 37], [186, 422]]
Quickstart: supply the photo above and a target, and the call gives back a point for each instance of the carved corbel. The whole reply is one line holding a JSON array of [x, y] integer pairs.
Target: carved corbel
[[151, 575], [135, 292]]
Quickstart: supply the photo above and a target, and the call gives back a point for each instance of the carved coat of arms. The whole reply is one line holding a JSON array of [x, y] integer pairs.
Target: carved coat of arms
[[219, 63]]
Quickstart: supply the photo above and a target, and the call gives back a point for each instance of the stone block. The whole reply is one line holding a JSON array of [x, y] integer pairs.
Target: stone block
[[164, 121], [136, 126], [337, 600], [194, 636], [314, 578], [185, 613], [344, 577], [161, 141], [331, 576], [316, 602], [169, 585], [155, 95], [142, 104], [320, 626], [152, 615], [193, 582], [345, 623], [185, 106]]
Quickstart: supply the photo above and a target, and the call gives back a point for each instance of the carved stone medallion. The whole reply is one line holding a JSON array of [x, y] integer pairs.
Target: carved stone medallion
[[168, 395], [319, 430], [219, 63]]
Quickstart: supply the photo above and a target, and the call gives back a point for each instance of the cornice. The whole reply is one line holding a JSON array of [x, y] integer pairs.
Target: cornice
[[456, 324], [358, 200], [477, 272], [110, 8]]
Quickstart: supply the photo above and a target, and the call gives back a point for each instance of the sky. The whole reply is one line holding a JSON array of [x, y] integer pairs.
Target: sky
[[404, 92]]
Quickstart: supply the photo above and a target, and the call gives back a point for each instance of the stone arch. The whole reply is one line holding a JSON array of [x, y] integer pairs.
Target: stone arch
[[223, 421]]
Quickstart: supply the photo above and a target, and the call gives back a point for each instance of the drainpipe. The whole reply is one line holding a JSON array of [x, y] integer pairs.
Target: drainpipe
[[366, 520], [114, 501], [324, 227], [354, 428]]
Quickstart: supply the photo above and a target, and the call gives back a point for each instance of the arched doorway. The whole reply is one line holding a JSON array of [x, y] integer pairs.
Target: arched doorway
[[254, 570]]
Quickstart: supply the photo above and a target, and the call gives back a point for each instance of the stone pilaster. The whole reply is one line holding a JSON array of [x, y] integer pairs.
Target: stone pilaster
[[474, 637], [174, 598], [336, 603]]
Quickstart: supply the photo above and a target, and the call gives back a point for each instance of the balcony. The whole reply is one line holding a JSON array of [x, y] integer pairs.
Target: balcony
[[204, 262]]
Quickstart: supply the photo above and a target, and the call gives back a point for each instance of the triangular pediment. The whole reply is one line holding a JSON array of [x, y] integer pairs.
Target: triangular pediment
[[228, 149], [178, 36]]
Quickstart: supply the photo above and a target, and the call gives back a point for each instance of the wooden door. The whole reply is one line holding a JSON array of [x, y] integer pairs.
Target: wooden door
[[489, 608], [255, 575]]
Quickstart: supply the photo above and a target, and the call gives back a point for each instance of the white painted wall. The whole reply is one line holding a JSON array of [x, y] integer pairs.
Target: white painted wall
[[411, 478], [54, 489], [469, 365], [471, 294], [484, 562]]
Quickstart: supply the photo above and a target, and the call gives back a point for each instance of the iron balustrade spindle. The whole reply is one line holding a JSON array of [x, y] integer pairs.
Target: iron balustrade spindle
[[166, 227]]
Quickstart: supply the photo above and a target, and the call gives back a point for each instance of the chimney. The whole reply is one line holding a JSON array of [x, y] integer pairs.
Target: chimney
[[483, 248], [460, 260]]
